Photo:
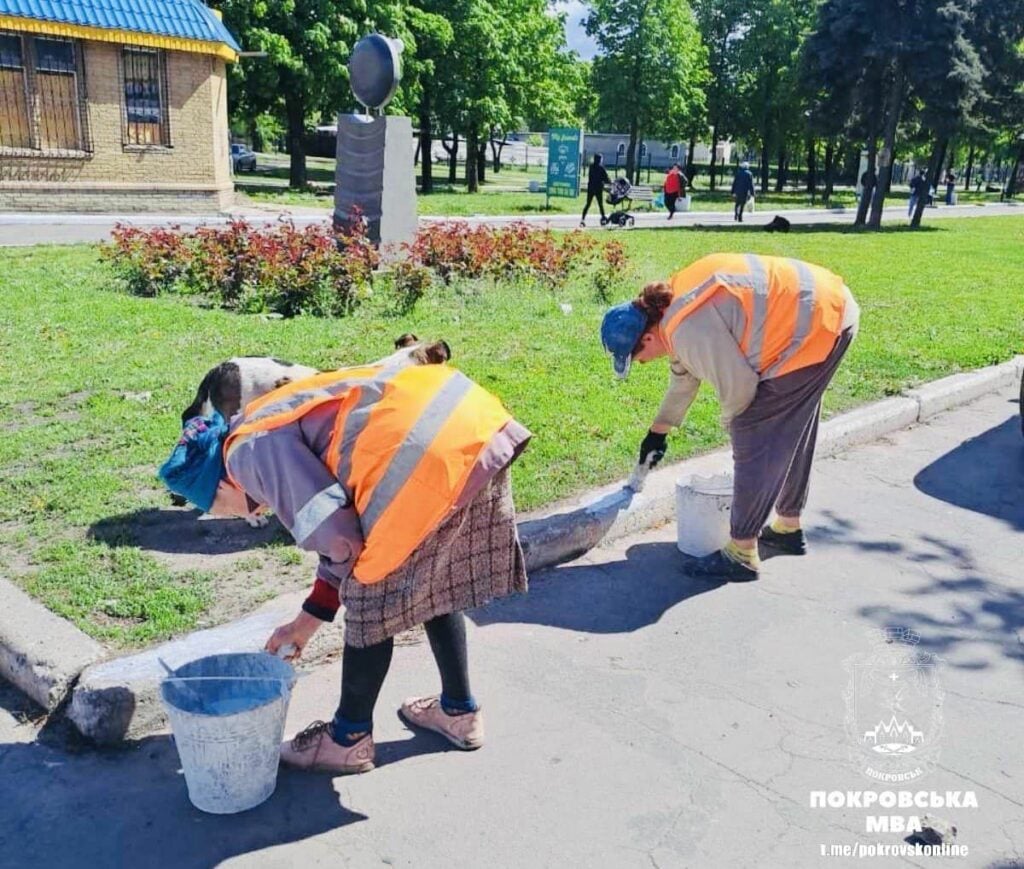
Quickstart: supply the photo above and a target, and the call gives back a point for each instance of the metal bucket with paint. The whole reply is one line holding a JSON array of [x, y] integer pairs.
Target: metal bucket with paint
[[703, 506], [227, 714]]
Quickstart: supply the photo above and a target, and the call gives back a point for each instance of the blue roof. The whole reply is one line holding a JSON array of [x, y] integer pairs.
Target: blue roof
[[187, 19]]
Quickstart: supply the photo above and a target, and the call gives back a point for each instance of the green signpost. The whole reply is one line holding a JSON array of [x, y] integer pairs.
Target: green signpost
[[563, 163]]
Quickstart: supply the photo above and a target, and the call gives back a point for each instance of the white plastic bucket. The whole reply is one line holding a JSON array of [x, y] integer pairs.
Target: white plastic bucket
[[683, 203], [227, 714], [703, 505]]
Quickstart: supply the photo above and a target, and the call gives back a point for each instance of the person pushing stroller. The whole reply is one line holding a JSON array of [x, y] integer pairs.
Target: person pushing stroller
[[597, 180]]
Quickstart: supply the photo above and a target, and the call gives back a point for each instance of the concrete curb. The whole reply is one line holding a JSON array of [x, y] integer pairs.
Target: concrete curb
[[941, 395], [566, 530], [41, 653], [118, 699]]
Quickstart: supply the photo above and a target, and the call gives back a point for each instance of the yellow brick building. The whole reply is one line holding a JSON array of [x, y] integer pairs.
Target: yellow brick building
[[114, 105]]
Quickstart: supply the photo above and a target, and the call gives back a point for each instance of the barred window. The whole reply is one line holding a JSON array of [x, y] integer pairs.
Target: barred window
[[57, 95], [42, 98], [146, 120], [15, 127]]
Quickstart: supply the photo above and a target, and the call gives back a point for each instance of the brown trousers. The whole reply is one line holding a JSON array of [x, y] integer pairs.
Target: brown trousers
[[773, 443]]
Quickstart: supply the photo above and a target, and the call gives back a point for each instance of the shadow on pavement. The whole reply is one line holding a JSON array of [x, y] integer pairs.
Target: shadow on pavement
[[984, 474], [960, 609], [104, 809], [180, 531], [608, 598]]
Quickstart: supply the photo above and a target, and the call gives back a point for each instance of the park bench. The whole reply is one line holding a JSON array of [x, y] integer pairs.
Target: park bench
[[642, 193]]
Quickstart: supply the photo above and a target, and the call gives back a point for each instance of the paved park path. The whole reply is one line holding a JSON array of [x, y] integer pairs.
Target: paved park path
[[29, 229], [637, 718]]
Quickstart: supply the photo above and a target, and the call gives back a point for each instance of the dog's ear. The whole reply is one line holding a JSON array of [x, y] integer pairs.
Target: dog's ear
[[437, 353], [406, 340]]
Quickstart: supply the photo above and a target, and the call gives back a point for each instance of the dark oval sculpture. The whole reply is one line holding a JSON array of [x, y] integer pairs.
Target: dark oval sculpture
[[375, 69]]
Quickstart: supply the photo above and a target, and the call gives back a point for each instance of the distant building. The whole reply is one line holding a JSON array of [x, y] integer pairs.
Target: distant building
[[114, 105], [613, 148]]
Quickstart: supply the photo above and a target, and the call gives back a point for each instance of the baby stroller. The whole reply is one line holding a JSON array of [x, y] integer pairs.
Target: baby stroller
[[618, 196]]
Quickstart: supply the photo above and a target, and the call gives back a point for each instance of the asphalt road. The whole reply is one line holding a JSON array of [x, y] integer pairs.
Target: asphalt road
[[639, 718], [30, 229]]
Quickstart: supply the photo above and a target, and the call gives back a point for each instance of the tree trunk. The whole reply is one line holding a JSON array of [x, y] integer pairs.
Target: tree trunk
[[691, 165], [453, 156], [830, 168], [634, 132], [496, 148], [255, 137], [969, 169], [765, 170], [296, 147], [893, 110], [934, 165], [780, 175], [867, 194], [472, 161], [714, 156], [1011, 185], [426, 145], [481, 162], [812, 166]]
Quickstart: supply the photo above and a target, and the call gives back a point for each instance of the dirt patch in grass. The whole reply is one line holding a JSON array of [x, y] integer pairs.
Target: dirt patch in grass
[[247, 565]]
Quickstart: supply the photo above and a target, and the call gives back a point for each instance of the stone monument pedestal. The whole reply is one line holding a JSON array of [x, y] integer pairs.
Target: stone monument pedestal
[[376, 176]]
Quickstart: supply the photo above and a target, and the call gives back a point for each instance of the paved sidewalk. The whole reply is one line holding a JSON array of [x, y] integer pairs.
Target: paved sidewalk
[[31, 228], [637, 718]]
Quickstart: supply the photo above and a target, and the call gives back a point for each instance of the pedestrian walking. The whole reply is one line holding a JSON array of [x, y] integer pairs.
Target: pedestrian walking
[[673, 188], [398, 477], [768, 333], [597, 180], [742, 190], [950, 187]]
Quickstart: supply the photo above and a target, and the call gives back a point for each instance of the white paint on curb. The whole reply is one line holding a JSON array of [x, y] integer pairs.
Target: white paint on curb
[[118, 699], [40, 653]]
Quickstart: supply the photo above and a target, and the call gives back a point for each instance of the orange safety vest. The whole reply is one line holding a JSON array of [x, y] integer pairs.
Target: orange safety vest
[[794, 310], [403, 445]]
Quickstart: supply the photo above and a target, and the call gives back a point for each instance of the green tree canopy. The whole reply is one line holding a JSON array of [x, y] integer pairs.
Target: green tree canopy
[[650, 71]]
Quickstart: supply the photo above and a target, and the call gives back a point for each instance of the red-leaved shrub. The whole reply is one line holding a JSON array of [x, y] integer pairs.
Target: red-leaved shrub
[[277, 269]]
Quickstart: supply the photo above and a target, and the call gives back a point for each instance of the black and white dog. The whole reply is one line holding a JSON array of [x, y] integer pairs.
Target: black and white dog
[[231, 385]]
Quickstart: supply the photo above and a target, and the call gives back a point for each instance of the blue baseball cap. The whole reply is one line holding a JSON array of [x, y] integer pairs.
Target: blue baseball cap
[[196, 465], [620, 331]]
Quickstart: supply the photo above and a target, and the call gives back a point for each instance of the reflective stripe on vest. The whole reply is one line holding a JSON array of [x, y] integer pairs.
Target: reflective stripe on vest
[[793, 310], [403, 446]]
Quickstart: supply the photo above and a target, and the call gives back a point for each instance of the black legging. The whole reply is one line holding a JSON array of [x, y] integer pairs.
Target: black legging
[[737, 211], [599, 196], [363, 670]]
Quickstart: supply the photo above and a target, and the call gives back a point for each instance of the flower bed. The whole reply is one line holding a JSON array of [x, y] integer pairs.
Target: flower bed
[[290, 271]]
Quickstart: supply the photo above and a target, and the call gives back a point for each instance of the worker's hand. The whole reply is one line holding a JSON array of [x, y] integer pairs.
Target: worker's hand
[[296, 633], [653, 446]]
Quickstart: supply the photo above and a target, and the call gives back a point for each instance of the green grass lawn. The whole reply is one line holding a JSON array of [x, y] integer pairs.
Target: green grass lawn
[[93, 383]]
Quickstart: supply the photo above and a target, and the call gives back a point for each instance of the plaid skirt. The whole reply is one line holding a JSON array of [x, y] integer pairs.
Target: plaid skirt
[[472, 558]]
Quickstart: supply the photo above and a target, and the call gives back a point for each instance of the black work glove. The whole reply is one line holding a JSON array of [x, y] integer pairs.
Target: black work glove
[[653, 446]]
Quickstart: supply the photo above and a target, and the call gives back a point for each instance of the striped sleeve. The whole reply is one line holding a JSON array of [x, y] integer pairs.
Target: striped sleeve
[[278, 469]]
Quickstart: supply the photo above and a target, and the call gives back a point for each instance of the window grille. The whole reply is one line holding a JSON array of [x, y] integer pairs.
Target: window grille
[[145, 117], [42, 95]]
